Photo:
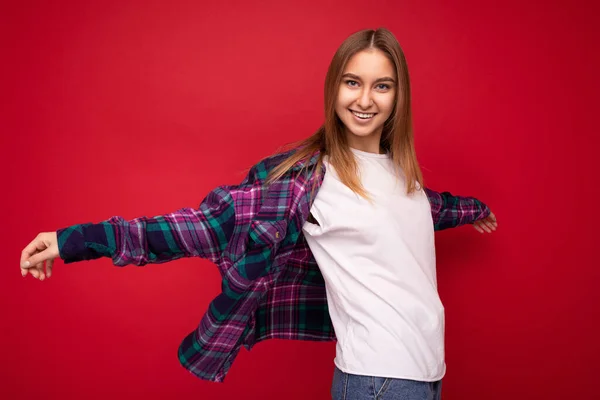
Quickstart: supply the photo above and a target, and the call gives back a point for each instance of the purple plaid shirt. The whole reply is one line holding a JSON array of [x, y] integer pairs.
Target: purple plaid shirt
[[271, 287]]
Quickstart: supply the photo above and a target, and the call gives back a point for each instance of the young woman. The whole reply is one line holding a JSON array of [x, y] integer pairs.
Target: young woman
[[331, 240]]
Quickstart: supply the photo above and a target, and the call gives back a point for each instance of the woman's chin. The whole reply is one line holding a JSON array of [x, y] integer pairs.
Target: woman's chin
[[361, 133]]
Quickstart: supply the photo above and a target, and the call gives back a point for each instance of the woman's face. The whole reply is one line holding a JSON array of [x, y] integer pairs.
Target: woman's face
[[366, 96]]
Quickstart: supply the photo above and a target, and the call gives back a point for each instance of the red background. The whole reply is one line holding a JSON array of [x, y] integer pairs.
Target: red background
[[141, 107]]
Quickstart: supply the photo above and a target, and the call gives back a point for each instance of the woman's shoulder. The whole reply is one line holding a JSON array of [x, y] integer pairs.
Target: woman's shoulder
[[259, 172], [262, 169], [274, 160]]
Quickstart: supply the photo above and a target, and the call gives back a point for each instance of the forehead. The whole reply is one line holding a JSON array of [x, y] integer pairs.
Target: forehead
[[371, 63]]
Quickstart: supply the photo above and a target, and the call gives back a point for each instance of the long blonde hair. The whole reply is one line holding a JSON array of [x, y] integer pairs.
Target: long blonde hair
[[397, 136]]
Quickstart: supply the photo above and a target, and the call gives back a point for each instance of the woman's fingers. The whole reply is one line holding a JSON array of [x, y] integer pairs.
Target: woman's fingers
[[37, 258], [491, 225], [481, 227], [25, 255], [26, 264], [40, 267], [491, 220], [33, 271], [34, 247], [38, 271], [49, 265]]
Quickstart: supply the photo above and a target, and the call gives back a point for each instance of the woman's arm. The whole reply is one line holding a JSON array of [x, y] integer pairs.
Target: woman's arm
[[204, 232], [450, 211], [188, 232]]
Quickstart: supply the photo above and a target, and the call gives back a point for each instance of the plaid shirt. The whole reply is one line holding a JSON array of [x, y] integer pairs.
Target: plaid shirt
[[272, 286]]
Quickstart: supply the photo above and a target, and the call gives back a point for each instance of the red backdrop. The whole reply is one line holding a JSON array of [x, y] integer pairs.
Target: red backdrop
[[140, 108]]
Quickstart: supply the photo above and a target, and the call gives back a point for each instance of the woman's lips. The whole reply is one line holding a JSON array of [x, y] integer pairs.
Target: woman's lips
[[362, 117]]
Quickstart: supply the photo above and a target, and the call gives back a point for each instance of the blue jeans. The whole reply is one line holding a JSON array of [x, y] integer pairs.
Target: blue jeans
[[358, 387]]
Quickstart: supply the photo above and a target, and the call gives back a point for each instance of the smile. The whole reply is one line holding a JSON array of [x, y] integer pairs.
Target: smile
[[363, 115]]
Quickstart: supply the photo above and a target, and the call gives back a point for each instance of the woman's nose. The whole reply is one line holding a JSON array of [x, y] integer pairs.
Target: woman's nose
[[365, 101]]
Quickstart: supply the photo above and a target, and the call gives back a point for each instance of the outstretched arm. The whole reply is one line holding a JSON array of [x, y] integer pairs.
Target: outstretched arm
[[204, 232], [188, 232], [449, 211]]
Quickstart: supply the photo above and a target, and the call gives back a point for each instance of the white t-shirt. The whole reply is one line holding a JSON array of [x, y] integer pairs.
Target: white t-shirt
[[378, 262]]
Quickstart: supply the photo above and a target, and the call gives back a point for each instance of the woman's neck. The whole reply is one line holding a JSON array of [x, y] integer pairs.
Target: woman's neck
[[368, 144]]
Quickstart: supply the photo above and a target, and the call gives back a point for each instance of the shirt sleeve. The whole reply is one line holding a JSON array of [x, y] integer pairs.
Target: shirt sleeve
[[450, 211], [188, 232]]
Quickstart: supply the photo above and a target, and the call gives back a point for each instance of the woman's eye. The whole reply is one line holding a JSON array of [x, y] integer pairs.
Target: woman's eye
[[383, 86], [351, 83]]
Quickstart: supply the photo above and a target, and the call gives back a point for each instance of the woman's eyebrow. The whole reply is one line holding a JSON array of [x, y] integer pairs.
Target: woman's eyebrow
[[384, 79]]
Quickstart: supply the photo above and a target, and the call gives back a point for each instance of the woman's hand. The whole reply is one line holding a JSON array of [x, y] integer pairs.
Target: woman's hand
[[487, 224], [44, 248]]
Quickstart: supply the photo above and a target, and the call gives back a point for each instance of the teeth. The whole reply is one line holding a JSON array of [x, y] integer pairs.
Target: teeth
[[361, 115]]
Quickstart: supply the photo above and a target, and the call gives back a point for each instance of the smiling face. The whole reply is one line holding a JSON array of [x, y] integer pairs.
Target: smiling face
[[366, 98]]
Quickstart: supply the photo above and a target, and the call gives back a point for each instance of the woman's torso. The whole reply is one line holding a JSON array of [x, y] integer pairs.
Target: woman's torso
[[378, 262]]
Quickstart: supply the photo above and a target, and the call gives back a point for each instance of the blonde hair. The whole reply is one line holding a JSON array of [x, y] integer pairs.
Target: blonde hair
[[397, 136]]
